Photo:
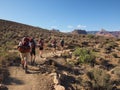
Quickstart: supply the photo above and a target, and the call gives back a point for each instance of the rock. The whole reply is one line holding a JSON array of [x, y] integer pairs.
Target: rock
[[55, 78], [65, 73], [59, 87], [3, 87], [68, 59], [56, 81], [116, 71]]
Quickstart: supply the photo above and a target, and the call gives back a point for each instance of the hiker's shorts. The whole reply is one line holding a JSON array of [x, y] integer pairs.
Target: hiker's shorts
[[24, 56], [54, 46], [40, 48], [32, 52], [62, 45]]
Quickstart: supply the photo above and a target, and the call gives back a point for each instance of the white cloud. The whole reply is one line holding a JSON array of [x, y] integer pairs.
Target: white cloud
[[81, 26], [70, 26], [77, 27]]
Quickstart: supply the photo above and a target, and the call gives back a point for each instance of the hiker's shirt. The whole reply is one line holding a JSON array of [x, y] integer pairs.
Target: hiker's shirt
[[20, 44], [54, 43], [41, 45], [32, 45]]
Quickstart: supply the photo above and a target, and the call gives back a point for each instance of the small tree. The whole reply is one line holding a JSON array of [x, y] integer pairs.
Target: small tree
[[84, 55]]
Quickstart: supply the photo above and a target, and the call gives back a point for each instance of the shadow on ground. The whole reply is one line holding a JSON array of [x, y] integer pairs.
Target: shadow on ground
[[14, 81]]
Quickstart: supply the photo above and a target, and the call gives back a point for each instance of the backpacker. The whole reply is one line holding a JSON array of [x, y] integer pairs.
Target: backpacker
[[62, 42], [24, 46], [33, 44], [41, 43], [54, 42]]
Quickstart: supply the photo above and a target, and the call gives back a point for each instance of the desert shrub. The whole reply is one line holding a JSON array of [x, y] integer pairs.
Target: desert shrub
[[119, 61], [100, 79], [96, 50], [85, 55], [118, 48], [101, 45], [84, 43], [87, 85], [116, 71], [11, 58], [115, 55], [71, 46], [90, 36], [49, 45], [6, 59], [116, 82], [118, 39], [112, 45], [107, 48]]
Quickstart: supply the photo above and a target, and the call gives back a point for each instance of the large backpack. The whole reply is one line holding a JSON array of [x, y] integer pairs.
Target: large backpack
[[24, 47]]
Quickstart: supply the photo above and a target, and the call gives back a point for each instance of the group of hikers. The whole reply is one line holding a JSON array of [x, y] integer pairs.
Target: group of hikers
[[27, 47]]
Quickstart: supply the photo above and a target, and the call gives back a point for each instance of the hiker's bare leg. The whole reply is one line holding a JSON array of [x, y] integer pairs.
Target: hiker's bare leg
[[33, 62], [34, 57], [22, 59], [62, 48], [54, 50], [31, 58], [41, 52], [26, 59]]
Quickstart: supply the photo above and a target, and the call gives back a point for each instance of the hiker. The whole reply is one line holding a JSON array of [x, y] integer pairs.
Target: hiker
[[24, 48], [33, 50], [62, 44], [41, 46], [54, 45]]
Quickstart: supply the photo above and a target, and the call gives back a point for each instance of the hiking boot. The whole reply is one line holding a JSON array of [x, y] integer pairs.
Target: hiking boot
[[22, 63], [31, 63], [22, 66], [26, 69], [34, 63]]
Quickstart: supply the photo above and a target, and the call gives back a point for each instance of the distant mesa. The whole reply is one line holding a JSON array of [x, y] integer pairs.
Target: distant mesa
[[104, 33], [116, 34], [92, 32], [79, 31]]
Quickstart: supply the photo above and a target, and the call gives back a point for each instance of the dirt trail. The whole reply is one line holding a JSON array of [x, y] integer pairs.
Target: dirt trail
[[34, 80]]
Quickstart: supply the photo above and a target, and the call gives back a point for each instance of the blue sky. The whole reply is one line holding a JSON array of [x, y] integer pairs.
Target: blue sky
[[64, 15]]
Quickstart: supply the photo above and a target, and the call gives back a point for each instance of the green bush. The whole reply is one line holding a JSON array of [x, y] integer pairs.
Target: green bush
[[118, 48], [111, 45], [85, 56], [100, 79]]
